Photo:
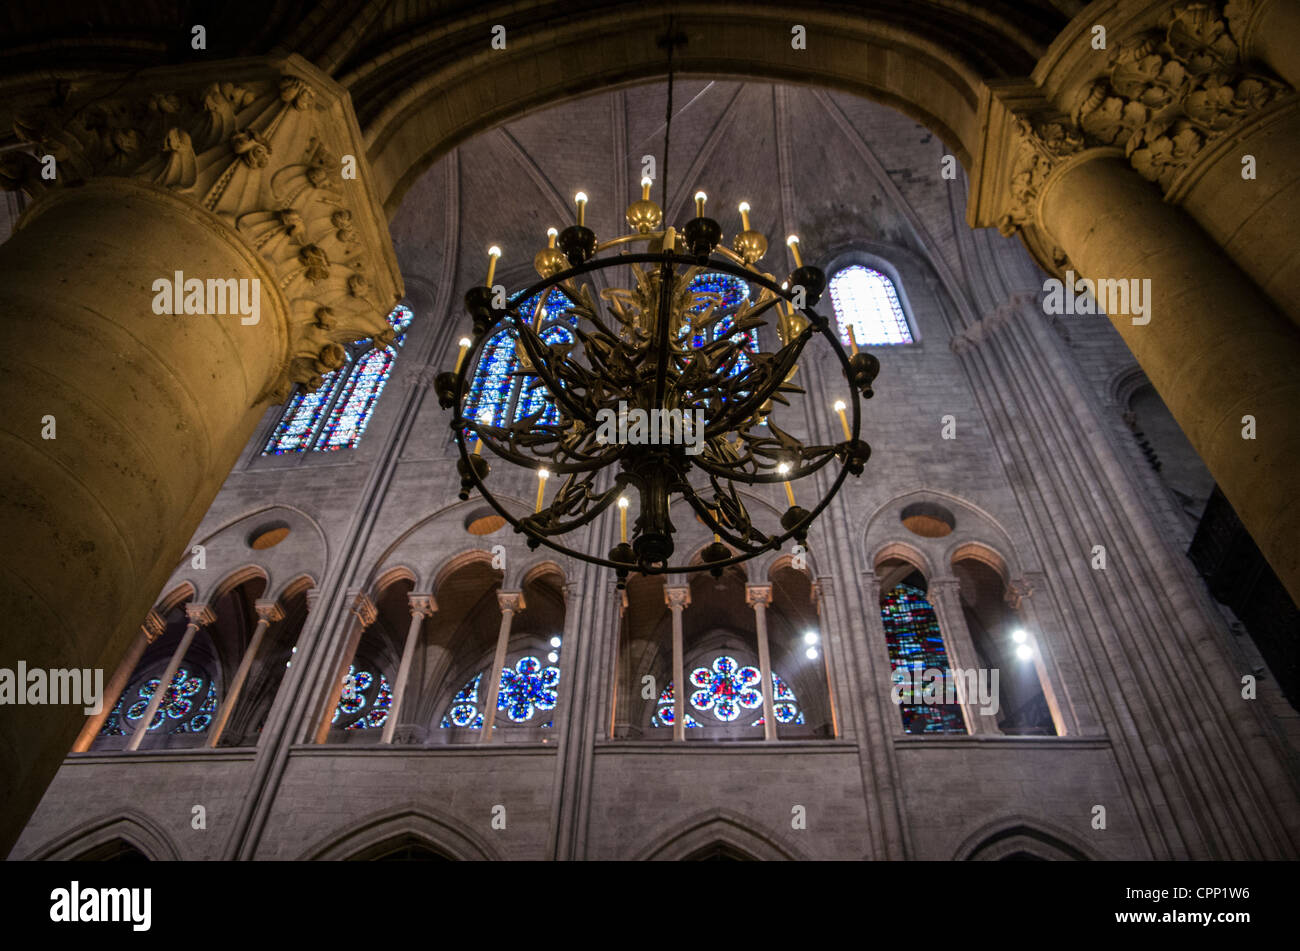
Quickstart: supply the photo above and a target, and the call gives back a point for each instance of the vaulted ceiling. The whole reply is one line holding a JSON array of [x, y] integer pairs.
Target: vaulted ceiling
[[836, 169]]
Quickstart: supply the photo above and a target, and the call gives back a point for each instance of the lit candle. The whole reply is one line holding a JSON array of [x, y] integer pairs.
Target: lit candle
[[551, 235], [645, 188], [700, 199], [792, 243], [622, 515], [465, 344], [580, 200], [744, 215], [493, 253], [844, 420], [542, 475], [784, 468]]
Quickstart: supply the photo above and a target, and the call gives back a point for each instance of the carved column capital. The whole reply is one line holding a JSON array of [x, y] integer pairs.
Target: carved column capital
[[512, 601], [1017, 590], [362, 608], [268, 609], [312, 598], [758, 594], [270, 150], [677, 596], [153, 627], [422, 605], [200, 614], [1170, 89]]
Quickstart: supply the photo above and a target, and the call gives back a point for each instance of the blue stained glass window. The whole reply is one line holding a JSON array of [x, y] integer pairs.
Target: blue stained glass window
[[724, 690], [336, 415], [351, 412], [726, 293], [866, 303], [364, 702], [181, 710], [499, 387], [912, 633], [302, 416], [526, 690]]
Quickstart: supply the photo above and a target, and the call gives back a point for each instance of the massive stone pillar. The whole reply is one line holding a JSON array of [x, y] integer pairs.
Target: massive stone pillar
[[237, 190], [1106, 180]]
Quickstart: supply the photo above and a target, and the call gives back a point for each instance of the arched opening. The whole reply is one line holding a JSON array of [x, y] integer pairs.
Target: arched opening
[[1003, 642], [918, 654], [115, 850]]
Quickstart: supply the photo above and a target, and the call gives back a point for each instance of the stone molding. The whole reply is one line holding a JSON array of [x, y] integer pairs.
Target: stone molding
[[677, 596], [268, 609], [200, 614], [422, 605], [153, 627], [362, 608], [977, 333], [257, 144]]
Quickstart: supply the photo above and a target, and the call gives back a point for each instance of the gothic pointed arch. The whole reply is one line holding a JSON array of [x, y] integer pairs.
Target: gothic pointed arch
[[716, 831], [370, 837]]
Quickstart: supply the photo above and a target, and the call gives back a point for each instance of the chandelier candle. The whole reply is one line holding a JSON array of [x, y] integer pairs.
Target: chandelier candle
[[844, 420], [622, 518], [700, 199], [744, 215], [465, 344], [493, 253], [580, 200], [784, 469], [542, 476]]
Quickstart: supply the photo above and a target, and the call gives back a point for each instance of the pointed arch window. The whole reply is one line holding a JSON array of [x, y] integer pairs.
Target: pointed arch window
[[915, 644], [336, 414], [499, 387], [867, 305]]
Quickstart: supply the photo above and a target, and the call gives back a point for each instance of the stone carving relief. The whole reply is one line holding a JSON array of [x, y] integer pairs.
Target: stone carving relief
[[255, 154], [1168, 92], [1043, 144]]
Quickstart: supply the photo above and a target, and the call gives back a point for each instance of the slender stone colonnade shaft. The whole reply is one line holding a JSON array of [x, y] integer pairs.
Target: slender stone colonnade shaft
[[120, 422]]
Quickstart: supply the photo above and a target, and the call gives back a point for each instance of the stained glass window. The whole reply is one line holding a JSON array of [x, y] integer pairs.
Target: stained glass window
[[527, 690], [498, 384], [724, 690], [186, 707], [726, 293], [364, 702], [912, 633], [335, 415], [866, 304]]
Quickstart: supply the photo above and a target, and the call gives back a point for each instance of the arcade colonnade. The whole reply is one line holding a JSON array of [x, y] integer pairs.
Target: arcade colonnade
[[236, 168]]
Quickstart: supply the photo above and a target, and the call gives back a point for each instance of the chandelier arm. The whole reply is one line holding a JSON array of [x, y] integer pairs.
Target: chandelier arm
[[705, 512], [530, 339], [826, 453]]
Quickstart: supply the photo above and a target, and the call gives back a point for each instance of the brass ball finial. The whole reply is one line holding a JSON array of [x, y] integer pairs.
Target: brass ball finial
[[643, 215], [550, 260]]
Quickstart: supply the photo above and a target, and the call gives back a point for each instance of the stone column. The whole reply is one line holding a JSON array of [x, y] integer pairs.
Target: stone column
[[677, 598], [364, 613], [122, 420], [1215, 348], [268, 612], [821, 593], [944, 594], [760, 596], [200, 615], [150, 631], [422, 606], [511, 603]]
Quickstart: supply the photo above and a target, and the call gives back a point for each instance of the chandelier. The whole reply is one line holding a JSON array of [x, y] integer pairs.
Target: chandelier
[[660, 393]]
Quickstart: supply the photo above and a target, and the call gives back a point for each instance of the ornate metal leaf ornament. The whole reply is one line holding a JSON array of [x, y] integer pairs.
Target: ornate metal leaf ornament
[[657, 344]]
